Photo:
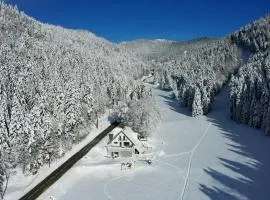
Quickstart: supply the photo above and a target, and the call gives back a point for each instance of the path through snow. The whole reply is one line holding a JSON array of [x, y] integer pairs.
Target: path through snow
[[190, 161], [209, 157]]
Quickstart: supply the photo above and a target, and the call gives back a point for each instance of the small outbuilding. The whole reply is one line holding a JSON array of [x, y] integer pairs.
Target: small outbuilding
[[125, 143]]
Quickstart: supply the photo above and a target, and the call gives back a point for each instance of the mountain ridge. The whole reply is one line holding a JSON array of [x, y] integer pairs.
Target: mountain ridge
[[56, 82]]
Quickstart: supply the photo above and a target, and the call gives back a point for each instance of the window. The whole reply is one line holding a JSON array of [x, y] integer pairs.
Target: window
[[124, 137], [119, 138], [126, 144], [115, 142], [136, 151]]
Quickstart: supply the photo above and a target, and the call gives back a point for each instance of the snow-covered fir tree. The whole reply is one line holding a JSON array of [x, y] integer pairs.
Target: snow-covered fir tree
[[184, 66], [250, 88], [197, 104], [55, 83]]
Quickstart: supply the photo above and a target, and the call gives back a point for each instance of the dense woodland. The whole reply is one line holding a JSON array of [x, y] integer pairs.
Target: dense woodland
[[54, 85], [194, 70], [250, 87], [255, 36]]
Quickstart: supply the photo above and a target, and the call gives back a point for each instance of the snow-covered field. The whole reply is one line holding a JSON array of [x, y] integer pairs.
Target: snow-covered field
[[209, 157]]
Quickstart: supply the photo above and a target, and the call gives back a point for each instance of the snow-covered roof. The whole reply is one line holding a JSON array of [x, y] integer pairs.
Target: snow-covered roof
[[131, 135], [116, 130]]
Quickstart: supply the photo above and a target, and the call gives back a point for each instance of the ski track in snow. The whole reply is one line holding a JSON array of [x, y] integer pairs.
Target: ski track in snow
[[106, 193], [108, 196], [173, 166], [178, 154], [177, 170], [191, 152], [190, 160], [108, 183]]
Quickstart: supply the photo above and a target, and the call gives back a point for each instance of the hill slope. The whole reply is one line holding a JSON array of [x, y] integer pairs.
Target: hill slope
[[250, 88], [208, 157], [194, 70], [54, 85]]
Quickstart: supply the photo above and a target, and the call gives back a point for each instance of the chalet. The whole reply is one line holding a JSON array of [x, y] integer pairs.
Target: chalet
[[125, 143]]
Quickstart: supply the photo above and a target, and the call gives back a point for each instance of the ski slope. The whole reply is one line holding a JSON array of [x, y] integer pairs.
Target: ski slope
[[210, 157]]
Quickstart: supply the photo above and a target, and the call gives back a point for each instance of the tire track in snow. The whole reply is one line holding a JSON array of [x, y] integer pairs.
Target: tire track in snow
[[178, 154], [201, 173], [106, 193], [191, 152], [173, 166], [106, 186], [190, 160]]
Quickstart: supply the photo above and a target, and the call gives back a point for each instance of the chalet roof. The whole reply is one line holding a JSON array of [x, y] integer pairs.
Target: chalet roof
[[131, 135], [116, 131]]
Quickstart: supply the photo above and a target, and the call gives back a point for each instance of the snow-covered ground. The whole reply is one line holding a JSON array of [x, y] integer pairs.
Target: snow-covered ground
[[209, 157], [19, 184]]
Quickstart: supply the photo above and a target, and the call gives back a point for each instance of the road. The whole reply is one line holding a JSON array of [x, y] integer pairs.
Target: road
[[208, 157], [60, 171]]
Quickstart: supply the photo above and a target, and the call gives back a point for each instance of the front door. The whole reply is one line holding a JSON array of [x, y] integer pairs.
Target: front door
[[115, 154]]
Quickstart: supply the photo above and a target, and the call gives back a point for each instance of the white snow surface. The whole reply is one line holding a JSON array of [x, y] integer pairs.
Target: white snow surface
[[209, 157], [19, 184]]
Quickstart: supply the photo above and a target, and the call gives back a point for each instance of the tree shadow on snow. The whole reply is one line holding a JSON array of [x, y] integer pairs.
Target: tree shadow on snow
[[175, 105], [246, 179]]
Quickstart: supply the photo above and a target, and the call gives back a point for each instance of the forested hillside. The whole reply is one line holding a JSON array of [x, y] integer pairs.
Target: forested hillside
[[255, 36], [194, 70], [197, 69], [250, 88], [54, 85]]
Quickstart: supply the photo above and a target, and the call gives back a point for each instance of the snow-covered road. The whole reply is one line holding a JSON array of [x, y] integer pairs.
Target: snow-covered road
[[209, 157]]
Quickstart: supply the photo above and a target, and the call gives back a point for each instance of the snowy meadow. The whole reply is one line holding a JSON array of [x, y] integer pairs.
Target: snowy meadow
[[193, 158], [203, 104]]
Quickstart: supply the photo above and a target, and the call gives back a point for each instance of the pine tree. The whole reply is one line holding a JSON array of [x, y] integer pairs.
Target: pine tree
[[197, 105]]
